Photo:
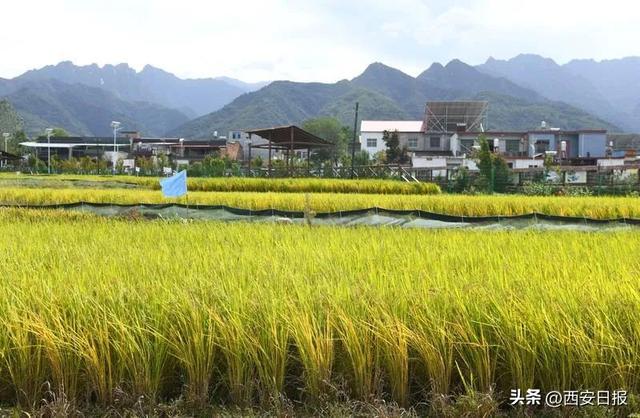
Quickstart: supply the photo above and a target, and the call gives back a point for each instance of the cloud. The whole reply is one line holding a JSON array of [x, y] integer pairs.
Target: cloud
[[322, 40]]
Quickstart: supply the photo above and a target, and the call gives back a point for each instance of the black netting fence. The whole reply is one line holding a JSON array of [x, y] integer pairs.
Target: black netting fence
[[371, 216]]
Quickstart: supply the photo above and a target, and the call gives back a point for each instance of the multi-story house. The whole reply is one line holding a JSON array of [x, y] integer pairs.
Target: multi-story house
[[450, 131]]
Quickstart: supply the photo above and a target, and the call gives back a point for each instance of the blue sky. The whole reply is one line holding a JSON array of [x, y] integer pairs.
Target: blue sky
[[324, 40]]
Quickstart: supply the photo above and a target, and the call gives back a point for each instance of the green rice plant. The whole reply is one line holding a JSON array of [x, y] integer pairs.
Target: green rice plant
[[475, 353], [430, 339], [393, 336], [313, 337], [141, 348], [111, 312], [50, 329], [192, 338], [270, 350], [231, 184], [360, 348], [23, 361], [104, 374], [236, 345]]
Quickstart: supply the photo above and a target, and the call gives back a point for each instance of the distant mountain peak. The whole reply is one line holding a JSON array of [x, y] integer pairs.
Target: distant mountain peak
[[122, 68], [456, 63], [460, 69], [453, 68], [378, 70], [436, 66], [534, 59], [150, 68], [378, 67], [66, 63]]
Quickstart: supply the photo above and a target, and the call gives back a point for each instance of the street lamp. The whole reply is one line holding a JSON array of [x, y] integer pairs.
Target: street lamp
[[115, 125], [6, 136], [49, 131]]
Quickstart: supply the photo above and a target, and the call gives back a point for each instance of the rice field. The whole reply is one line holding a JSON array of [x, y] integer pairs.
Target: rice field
[[229, 184], [597, 207], [249, 315]]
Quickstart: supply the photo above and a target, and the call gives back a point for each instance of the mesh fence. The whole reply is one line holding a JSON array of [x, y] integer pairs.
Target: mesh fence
[[371, 217]]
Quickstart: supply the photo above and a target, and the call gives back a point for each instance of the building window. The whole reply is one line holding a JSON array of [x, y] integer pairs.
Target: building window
[[541, 147], [412, 143], [466, 145], [372, 142], [434, 142], [512, 146]]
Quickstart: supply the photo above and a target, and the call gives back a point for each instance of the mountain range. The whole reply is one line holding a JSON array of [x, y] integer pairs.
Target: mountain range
[[84, 99], [387, 93], [521, 92], [609, 89]]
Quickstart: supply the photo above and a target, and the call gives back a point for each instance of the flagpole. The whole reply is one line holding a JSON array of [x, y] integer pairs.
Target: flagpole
[[187, 197]]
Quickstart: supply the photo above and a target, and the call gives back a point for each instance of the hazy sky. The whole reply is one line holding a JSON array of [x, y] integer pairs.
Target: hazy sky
[[308, 40]]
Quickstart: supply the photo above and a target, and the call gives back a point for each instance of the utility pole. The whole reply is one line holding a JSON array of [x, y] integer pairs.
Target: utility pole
[[6, 136], [49, 131], [249, 143], [353, 144]]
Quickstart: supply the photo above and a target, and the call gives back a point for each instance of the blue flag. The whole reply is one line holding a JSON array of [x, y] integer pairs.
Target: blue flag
[[175, 186]]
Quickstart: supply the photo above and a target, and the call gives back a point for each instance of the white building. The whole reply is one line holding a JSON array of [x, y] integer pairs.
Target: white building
[[450, 130], [371, 133]]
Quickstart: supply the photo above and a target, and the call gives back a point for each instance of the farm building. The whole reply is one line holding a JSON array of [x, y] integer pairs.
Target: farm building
[[7, 159], [131, 145]]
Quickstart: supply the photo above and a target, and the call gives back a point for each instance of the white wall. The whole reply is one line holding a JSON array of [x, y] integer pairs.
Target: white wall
[[426, 162], [380, 145], [471, 165], [610, 162], [526, 163]]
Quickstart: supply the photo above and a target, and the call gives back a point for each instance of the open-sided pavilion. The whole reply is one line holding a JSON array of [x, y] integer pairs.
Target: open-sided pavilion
[[288, 139]]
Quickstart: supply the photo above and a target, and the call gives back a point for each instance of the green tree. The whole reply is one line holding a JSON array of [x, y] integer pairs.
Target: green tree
[[461, 180], [56, 132], [120, 166], [56, 163], [333, 131], [494, 171], [70, 165], [379, 157], [163, 161], [501, 174], [394, 153], [87, 165], [13, 144], [145, 164], [213, 166], [36, 164], [59, 132], [361, 158], [485, 161]]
